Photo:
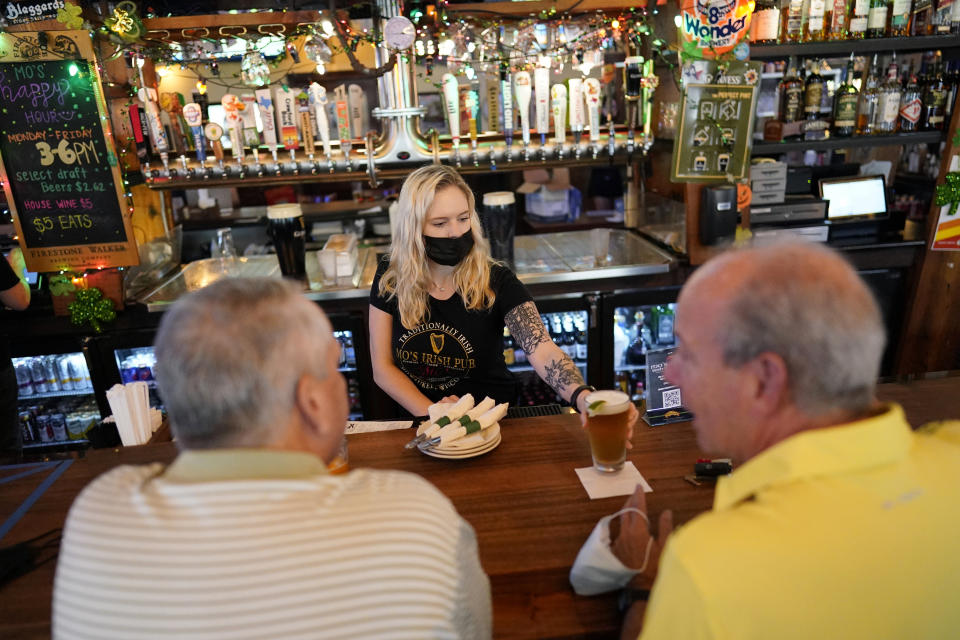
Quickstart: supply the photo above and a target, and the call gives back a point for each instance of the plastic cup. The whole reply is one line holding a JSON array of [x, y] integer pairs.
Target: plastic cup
[[607, 428]]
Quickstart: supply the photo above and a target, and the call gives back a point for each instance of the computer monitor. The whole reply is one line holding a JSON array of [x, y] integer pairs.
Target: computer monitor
[[854, 199]]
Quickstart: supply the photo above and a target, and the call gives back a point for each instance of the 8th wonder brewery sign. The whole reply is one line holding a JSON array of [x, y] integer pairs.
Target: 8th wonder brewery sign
[[58, 162]]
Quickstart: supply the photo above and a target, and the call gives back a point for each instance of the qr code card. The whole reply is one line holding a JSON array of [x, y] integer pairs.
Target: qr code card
[[671, 398]]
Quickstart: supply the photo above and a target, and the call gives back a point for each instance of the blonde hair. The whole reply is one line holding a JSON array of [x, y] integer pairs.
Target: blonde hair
[[407, 277]]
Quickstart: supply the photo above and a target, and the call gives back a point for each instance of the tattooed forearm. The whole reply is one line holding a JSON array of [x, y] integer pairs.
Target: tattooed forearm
[[562, 375], [526, 326]]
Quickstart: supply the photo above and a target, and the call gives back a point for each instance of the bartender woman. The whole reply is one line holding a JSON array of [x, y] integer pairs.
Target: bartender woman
[[439, 304]]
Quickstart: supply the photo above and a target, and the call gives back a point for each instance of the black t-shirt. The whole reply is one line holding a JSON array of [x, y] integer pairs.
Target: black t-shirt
[[8, 279], [456, 351]]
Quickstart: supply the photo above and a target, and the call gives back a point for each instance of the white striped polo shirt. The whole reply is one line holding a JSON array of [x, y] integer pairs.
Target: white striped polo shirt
[[255, 544]]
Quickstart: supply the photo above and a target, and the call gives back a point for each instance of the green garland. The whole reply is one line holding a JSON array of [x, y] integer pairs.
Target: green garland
[[91, 307]]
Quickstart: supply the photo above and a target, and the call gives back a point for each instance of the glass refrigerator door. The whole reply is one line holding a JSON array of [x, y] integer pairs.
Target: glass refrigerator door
[[569, 330], [56, 404], [637, 330], [135, 364], [348, 367]]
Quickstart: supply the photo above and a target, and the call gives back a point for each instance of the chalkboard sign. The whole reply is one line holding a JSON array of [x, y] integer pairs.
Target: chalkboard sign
[[716, 121], [59, 167]]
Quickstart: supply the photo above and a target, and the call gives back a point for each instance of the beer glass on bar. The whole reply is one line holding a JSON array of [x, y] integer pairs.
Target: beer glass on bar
[[607, 428], [285, 226]]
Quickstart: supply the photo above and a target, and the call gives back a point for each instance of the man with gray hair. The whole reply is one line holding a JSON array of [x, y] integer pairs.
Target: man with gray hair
[[838, 520], [246, 534]]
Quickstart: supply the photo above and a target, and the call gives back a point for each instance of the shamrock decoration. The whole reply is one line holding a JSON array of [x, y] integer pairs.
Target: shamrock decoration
[[61, 285], [125, 22], [949, 192], [90, 306], [70, 16]]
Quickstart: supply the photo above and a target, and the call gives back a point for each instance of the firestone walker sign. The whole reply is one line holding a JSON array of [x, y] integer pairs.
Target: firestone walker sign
[[57, 158], [711, 28]]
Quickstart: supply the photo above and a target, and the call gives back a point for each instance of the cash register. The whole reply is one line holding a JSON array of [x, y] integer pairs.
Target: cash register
[[856, 208]]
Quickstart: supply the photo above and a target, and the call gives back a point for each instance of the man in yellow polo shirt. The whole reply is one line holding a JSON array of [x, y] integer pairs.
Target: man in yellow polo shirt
[[838, 521]]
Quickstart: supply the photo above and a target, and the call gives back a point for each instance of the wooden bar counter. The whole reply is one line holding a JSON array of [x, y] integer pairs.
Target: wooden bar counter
[[524, 500]]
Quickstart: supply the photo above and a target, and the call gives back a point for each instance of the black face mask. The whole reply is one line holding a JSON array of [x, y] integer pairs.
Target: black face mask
[[449, 251]]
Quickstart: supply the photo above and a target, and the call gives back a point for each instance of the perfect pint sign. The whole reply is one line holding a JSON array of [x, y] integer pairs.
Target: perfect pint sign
[[715, 26]]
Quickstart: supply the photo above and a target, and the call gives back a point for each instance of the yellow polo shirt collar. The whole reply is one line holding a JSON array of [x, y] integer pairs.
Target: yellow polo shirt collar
[[242, 464], [870, 442]]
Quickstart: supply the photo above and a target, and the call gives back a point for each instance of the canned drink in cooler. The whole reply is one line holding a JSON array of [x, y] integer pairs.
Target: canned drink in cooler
[[24, 380], [58, 423], [80, 373], [53, 376], [63, 368], [26, 427], [43, 427], [38, 373]]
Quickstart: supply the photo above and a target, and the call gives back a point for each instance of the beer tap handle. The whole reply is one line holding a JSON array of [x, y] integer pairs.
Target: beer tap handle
[[319, 97], [521, 81], [541, 77], [558, 96], [370, 140], [506, 94], [451, 99], [343, 123]]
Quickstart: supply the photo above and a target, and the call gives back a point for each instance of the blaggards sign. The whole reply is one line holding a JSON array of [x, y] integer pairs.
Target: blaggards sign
[[713, 27]]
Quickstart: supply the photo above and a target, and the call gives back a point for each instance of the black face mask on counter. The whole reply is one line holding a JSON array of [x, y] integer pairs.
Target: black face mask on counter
[[449, 251]]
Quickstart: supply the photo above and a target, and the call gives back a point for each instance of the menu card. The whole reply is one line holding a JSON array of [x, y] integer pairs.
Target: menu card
[[664, 400]]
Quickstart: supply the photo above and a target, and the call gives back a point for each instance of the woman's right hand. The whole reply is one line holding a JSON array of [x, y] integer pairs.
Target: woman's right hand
[[447, 399]]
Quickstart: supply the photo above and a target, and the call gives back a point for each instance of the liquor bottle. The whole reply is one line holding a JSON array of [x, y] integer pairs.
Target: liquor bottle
[[815, 27], [859, 17], [899, 19], [921, 23], [877, 19], [765, 23], [663, 320], [791, 94], [952, 79], [845, 105], [934, 99], [813, 91], [508, 355], [867, 111], [581, 340], [910, 104], [792, 29], [837, 20], [637, 350], [888, 101]]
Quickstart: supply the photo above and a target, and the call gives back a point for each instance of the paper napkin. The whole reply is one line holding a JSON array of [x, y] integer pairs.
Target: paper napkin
[[606, 485]]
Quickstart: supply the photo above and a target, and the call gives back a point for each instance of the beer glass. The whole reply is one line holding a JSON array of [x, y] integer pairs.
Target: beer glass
[[499, 219], [285, 226], [607, 428]]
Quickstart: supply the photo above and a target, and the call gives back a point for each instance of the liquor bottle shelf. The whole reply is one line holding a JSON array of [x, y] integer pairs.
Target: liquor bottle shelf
[[867, 45], [920, 137]]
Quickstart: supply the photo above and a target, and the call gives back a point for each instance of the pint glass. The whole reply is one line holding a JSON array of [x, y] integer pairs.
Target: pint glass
[[285, 226], [607, 427]]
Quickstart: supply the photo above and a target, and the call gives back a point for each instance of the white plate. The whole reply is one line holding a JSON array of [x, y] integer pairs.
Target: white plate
[[472, 441], [461, 455]]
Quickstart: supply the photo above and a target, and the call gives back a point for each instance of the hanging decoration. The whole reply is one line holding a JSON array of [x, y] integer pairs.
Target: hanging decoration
[[254, 70], [711, 29], [125, 22], [69, 16], [91, 307], [949, 192], [318, 51]]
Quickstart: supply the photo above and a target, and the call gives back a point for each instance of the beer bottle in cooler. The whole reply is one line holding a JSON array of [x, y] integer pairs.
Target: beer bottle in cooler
[[508, 356], [845, 100], [569, 339], [910, 104], [581, 339]]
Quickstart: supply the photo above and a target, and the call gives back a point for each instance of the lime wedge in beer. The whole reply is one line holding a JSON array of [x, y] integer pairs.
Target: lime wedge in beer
[[593, 406]]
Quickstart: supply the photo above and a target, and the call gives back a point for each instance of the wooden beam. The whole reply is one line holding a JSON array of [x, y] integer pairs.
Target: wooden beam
[[931, 332], [534, 7]]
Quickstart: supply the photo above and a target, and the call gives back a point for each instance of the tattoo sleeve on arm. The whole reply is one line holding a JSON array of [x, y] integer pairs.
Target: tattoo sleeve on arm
[[526, 326], [562, 375]]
